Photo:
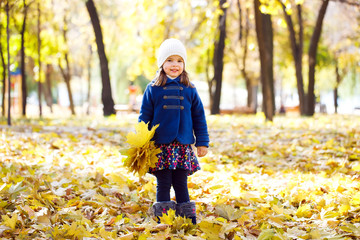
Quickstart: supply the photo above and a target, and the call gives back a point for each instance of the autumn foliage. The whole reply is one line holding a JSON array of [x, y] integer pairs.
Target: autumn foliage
[[295, 178], [142, 151]]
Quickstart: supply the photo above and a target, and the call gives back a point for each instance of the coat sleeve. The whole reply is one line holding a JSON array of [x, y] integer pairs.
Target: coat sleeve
[[147, 107], [199, 121]]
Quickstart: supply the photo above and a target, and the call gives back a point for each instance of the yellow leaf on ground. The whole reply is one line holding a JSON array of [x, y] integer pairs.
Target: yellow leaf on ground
[[277, 209], [315, 234], [228, 212], [355, 199], [344, 209], [304, 211], [10, 221], [211, 229], [127, 236], [168, 218], [267, 234], [106, 235]]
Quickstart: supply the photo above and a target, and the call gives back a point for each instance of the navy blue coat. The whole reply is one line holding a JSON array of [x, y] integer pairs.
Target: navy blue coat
[[179, 111]]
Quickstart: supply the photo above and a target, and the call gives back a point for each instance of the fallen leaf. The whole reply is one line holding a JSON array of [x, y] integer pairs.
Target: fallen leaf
[[10, 221]]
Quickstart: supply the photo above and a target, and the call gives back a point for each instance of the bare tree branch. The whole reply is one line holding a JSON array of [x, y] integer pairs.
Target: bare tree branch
[[355, 3]]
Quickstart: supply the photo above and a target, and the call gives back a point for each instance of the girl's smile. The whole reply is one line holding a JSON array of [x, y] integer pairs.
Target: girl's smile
[[173, 66]]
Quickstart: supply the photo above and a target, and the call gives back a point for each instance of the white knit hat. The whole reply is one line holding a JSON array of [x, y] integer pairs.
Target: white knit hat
[[168, 48]]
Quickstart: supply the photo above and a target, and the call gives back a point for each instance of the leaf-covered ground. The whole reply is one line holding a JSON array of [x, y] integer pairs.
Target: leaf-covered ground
[[296, 178]]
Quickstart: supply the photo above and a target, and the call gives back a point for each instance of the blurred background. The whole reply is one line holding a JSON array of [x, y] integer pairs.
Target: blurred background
[[84, 57]]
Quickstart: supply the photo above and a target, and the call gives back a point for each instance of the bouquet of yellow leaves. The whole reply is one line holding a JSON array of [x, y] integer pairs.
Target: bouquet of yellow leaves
[[142, 152]]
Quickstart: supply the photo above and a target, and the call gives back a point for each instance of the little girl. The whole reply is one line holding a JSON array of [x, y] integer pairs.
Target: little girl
[[171, 101]]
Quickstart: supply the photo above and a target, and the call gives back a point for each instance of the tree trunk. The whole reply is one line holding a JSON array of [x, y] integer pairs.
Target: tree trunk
[[297, 52], [68, 86], [39, 60], [8, 63], [240, 19], [66, 73], [3, 75], [218, 60], [89, 79], [106, 95], [67, 77], [22, 52], [252, 96], [314, 42], [244, 44], [336, 90], [265, 41], [209, 80], [339, 78], [47, 90]]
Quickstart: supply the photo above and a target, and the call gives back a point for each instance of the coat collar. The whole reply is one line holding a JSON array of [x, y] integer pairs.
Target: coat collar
[[175, 80]]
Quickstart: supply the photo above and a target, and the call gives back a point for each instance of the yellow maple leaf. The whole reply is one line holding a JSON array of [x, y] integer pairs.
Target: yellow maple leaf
[[343, 209], [142, 153], [120, 180], [355, 201], [56, 232], [210, 229], [10, 221], [183, 223], [304, 211], [168, 218], [106, 235], [142, 135], [228, 212], [76, 230], [266, 234]]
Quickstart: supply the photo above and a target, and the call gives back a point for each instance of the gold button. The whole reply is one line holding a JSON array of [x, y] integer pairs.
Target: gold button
[[181, 107], [181, 88], [164, 107], [165, 97], [181, 98]]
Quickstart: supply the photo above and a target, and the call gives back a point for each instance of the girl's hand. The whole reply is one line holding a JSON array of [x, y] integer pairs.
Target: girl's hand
[[202, 151]]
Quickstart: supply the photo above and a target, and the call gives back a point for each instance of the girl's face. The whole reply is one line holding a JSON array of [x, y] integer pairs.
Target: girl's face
[[173, 66]]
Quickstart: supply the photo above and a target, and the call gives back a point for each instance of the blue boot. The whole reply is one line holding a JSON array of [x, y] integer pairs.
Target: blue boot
[[187, 209]]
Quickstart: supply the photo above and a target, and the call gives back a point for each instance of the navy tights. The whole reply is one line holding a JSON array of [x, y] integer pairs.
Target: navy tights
[[178, 179]]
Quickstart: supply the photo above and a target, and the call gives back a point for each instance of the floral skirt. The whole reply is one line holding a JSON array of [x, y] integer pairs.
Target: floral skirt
[[176, 155]]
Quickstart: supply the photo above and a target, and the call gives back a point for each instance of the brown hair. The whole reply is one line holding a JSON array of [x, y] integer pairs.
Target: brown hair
[[161, 78]]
